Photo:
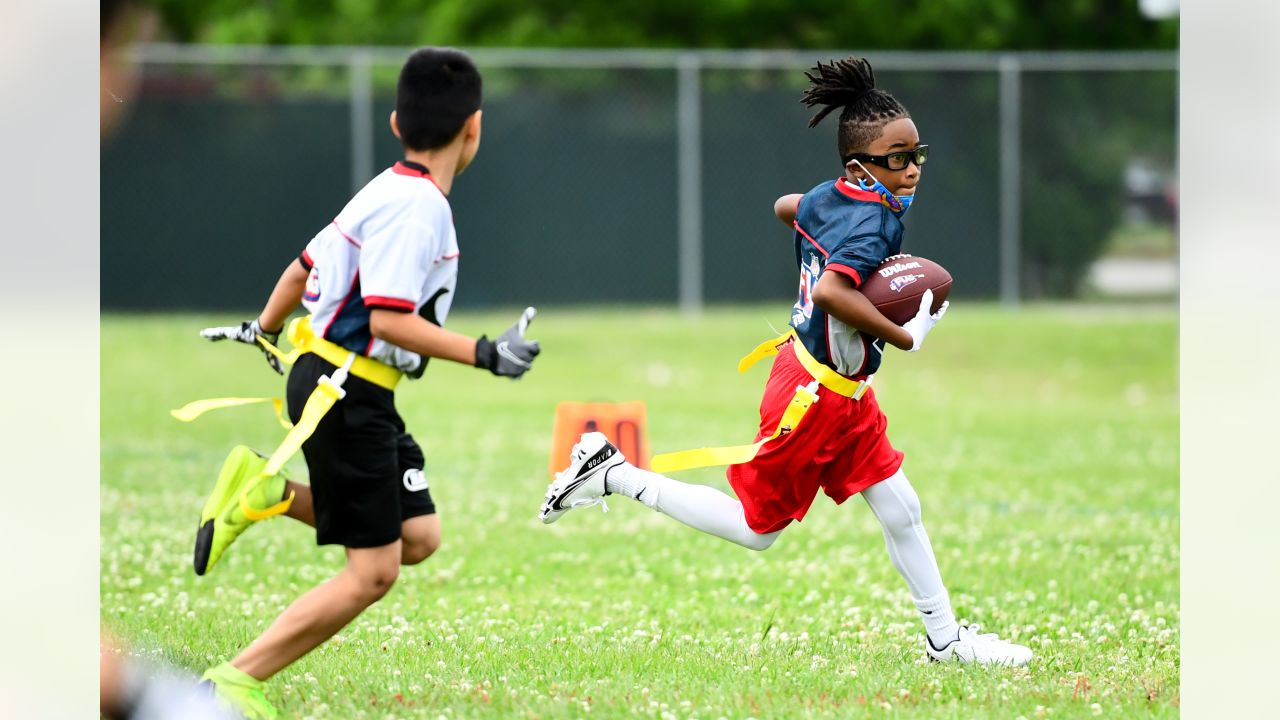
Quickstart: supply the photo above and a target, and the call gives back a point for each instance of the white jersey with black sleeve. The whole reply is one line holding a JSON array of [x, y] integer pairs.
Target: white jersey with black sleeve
[[393, 247]]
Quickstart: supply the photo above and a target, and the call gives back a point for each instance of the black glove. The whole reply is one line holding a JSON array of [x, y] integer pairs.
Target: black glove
[[512, 355], [248, 333]]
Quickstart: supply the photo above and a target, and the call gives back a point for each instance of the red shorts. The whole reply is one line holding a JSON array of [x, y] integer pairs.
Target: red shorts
[[840, 446]]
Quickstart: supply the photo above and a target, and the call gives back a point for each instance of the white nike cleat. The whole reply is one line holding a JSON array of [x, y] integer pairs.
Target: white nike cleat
[[983, 649], [582, 483]]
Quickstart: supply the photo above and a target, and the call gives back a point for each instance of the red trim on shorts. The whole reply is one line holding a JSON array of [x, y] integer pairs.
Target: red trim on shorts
[[343, 234], [809, 237], [845, 270], [389, 303]]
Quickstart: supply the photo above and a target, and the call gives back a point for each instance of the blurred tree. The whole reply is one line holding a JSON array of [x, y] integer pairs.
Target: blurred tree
[[1079, 130], [854, 24]]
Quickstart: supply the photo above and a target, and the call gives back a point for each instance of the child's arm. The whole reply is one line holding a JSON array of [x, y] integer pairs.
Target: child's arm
[[836, 294], [415, 333], [284, 298], [510, 356], [785, 208]]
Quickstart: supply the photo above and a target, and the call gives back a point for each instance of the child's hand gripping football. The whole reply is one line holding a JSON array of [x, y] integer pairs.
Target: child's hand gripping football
[[920, 325]]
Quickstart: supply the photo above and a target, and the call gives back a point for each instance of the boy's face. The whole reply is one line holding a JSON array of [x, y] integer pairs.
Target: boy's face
[[897, 135]]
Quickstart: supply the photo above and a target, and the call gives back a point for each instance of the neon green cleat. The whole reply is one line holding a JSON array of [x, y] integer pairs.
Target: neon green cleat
[[239, 691], [223, 518]]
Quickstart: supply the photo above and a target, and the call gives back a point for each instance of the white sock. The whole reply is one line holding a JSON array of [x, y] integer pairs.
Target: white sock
[[895, 503], [698, 506], [627, 479], [939, 621]]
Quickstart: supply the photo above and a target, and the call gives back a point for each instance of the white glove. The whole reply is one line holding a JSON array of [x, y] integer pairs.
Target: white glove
[[920, 325], [248, 333]]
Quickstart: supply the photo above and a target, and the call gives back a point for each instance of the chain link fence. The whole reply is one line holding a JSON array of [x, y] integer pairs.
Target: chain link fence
[[626, 176]]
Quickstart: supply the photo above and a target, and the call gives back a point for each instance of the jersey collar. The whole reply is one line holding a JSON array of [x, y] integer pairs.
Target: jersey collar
[[854, 192], [411, 168]]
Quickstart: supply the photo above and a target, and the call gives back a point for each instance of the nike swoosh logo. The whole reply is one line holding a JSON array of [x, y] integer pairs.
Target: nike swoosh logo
[[556, 504], [504, 351]]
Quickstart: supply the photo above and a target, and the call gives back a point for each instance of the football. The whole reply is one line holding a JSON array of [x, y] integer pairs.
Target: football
[[896, 286]]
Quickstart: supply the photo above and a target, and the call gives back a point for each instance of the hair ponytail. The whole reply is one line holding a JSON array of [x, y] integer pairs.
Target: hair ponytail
[[849, 85], [837, 85]]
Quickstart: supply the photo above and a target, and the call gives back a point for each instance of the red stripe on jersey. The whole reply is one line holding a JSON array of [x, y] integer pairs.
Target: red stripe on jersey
[[845, 270], [442, 258], [809, 237], [390, 303], [343, 234], [850, 190], [307, 262]]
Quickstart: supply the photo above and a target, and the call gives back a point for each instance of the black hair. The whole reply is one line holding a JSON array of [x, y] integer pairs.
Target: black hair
[[439, 89], [850, 84]]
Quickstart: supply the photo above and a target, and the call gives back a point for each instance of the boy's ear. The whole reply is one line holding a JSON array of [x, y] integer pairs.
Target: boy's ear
[[473, 124], [395, 127]]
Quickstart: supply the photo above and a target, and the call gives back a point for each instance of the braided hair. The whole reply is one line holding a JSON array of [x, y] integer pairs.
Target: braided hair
[[850, 84]]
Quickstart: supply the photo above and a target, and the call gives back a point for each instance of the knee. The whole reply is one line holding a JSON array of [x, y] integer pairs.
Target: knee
[[759, 541], [901, 516], [415, 550], [373, 583]]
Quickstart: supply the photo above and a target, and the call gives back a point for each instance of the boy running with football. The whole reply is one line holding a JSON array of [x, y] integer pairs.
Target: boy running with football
[[378, 282], [844, 229]]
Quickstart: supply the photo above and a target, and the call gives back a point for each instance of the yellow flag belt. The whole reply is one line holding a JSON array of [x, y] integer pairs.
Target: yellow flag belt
[[800, 403], [328, 391]]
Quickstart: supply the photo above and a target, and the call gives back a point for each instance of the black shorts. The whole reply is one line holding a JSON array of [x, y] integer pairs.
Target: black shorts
[[366, 471]]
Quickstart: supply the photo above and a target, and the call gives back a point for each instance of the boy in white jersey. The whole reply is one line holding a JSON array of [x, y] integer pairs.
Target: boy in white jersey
[[378, 282]]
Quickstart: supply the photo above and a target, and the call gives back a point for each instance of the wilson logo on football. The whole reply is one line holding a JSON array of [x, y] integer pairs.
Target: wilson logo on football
[[896, 268], [898, 283]]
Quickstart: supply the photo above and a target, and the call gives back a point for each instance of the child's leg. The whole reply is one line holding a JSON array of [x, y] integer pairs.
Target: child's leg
[[322, 612], [420, 536], [698, 506], [896, 505], [303, 507]]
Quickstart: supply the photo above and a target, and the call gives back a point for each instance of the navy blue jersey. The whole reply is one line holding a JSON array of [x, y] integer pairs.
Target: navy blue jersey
[[840, 228]]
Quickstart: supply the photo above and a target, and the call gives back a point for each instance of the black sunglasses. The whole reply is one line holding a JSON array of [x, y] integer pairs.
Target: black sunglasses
[[895, 160]]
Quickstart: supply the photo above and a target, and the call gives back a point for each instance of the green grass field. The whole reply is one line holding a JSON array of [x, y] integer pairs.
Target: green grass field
[[1043, 445]]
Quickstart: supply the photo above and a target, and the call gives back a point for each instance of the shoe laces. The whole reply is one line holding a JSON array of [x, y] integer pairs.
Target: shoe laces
[[989, 637], [588, 502]]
